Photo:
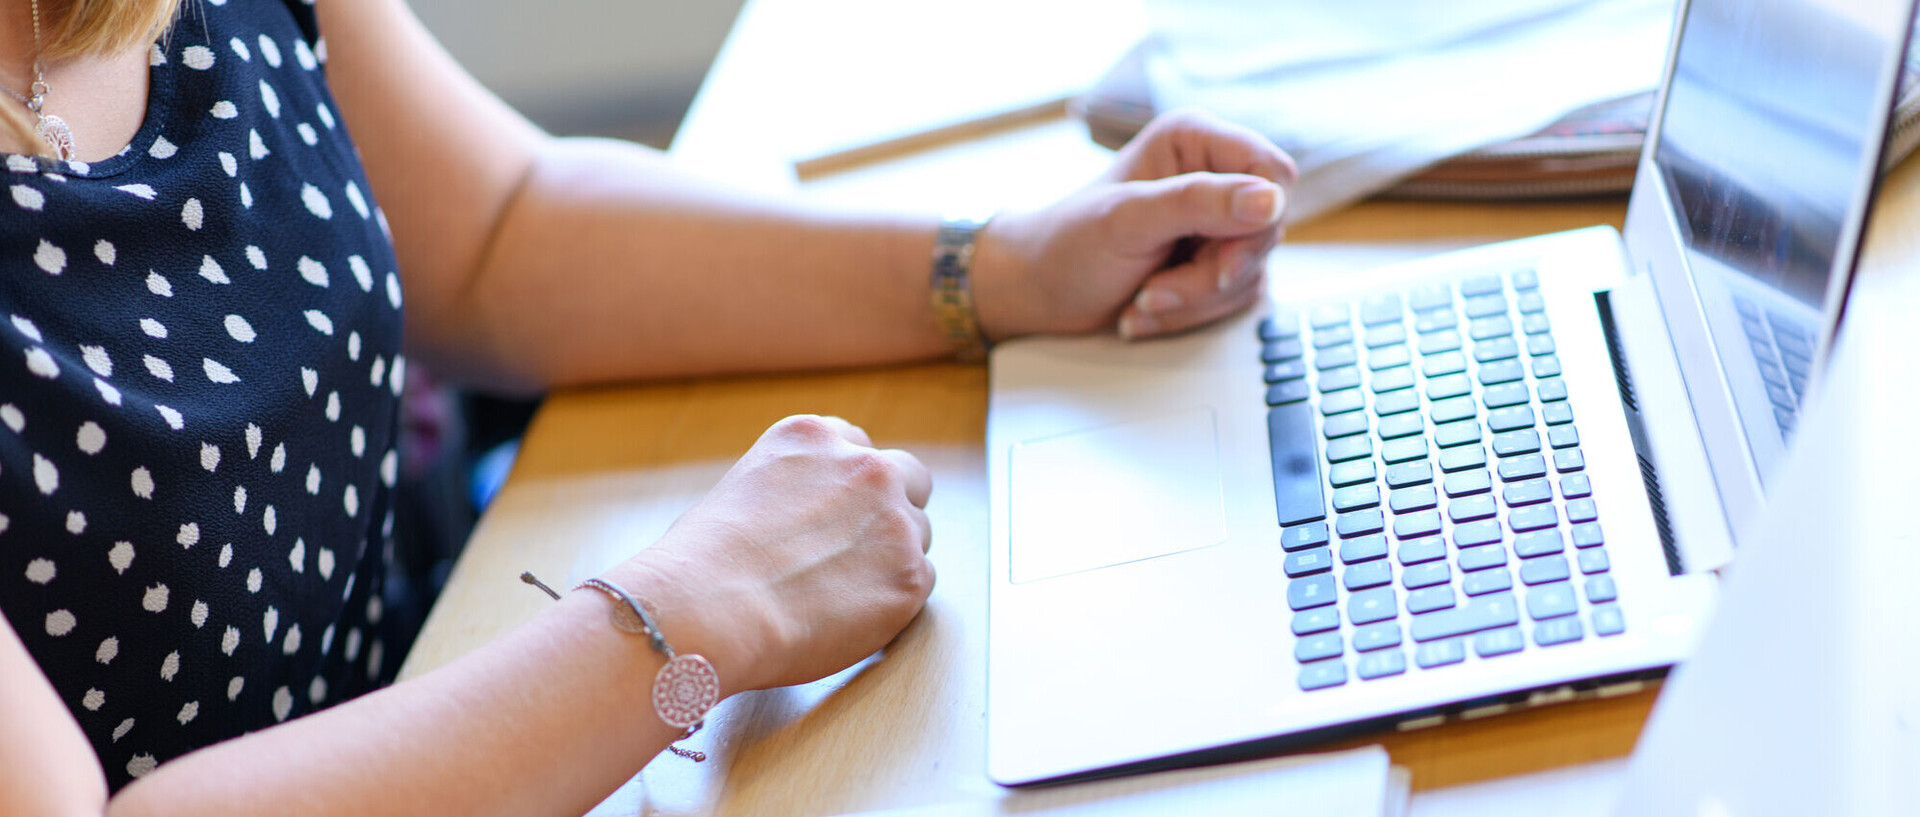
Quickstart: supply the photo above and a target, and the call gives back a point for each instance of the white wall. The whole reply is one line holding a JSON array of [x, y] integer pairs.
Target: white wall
[[578, 66]]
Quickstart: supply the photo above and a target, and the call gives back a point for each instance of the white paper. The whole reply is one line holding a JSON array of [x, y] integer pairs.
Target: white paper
[[1364, 101]]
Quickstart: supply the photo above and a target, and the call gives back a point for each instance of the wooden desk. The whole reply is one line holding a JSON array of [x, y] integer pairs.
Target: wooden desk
[[604, 472]]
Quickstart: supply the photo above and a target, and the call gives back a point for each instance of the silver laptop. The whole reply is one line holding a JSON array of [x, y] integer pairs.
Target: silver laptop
[[1446, 488]]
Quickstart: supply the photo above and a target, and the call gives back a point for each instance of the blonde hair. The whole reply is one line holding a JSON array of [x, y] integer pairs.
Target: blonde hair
[[80, 28]]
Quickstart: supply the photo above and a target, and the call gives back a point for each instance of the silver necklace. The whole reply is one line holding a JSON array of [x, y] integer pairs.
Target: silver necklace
[[51, 129]]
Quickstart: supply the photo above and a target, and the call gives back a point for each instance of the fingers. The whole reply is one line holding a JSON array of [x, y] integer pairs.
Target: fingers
[[848, 431], [914, 473], [926, 528], [1149, 215], [1136, 323], [914, 476], [1190, 140]]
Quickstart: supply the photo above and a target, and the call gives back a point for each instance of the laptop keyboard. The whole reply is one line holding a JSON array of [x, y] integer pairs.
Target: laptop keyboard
[[1784, 352], [1430, 482]]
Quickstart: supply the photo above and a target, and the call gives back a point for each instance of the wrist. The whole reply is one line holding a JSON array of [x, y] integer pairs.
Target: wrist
[[1001, 276], [692, 628]]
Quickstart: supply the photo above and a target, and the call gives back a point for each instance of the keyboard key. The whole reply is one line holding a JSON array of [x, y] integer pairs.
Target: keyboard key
[[1557, 413], [1376, 636], [1445, 386], [1544, 569], [1416, 498], [1551, 600], [1481, 557], [1360, 523], [1275, 351], [1338, 336], [1522, 441], [1403, 450], [1351, 473], [1412, 525], [1380, 664], [1445, 340], [1509, 419], [1397, 402], [1335, 357], [1308, 562], [1301, 537], [1462, 458], [1562, 436], [1356, 497], [1481, 306], [1582, 510], [1569, 460], [1288, 391], [1435, 320], [1540, 344], [1494, 327], [1467, 509], [1281, 324], [1530, 302], [1322, 674], [1409, 473], [1458, 408], [1296, 464], [1587, 534], [1430, 296], [1422, 550], [1440, 653], [1607, 620], [1546, 366], [1329, 315], [1342, 402], [1345, 425], [1429, 599], [1318, 646], [1380, 309], [1367, 574], [1479, 613], [1594, 560], [1523, 467], [1387, 334], [1444, 363], [1557, 631], [1538, 543], [1483, 532], [1312, 591], [1504, 395], [1501, 371], [1349, 448], [1458, 432], [1392, 380], [1401, 425], [1318, 620], [1425, 574], [1534, 323], [1600, 589], [1504, 641], [1525, 279], [1369, 606], [1482, 582], [1345, 377], [1286, 370], [1363, 549], [1480, 285], [1389, 357], [1532, 517], [1467, 484], [1553, 388], [1493, 349], [1527, 492]]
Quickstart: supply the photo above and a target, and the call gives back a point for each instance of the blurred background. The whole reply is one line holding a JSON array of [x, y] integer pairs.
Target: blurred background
[[625, 69]]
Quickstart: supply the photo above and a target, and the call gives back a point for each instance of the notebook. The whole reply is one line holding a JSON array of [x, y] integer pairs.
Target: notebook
[[1448, 488]]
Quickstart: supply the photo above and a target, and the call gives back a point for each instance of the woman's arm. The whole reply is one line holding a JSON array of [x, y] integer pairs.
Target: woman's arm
[[807, 556], [532, 261]]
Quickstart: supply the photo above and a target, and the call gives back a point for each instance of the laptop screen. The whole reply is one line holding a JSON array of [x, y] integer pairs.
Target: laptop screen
[[1771, 123]]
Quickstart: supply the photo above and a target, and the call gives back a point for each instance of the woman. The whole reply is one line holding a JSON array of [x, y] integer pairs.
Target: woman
[[203, 291]]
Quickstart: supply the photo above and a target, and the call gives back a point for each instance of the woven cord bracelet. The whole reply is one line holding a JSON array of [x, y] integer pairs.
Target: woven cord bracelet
[[685, 689]]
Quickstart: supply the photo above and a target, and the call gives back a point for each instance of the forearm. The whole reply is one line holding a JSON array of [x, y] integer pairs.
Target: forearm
[[547, 720], [610, 263]]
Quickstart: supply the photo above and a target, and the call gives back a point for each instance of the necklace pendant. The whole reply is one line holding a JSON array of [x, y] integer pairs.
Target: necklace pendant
[[54, 131]]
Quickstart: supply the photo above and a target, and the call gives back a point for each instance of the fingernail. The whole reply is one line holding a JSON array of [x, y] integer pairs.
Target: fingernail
[[1157, 300], [1233, 266], [1257, 203], [1134, 326]]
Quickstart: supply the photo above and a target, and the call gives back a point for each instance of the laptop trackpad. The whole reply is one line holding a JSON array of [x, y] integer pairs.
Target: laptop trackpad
[[1115, 494]]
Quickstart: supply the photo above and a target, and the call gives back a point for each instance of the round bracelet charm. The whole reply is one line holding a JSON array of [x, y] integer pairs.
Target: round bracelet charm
[[684, 690]]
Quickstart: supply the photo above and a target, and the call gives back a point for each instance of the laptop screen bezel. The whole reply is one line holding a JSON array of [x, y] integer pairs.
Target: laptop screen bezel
[[1657, 246]]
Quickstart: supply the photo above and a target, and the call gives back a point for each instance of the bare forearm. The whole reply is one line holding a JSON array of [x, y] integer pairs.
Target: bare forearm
[[612, 264]]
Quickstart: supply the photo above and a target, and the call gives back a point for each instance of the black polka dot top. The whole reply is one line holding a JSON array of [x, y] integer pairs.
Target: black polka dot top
[[199, 375]]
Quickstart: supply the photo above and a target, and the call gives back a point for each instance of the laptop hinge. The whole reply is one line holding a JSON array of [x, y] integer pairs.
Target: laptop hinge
[[1642, 448]]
